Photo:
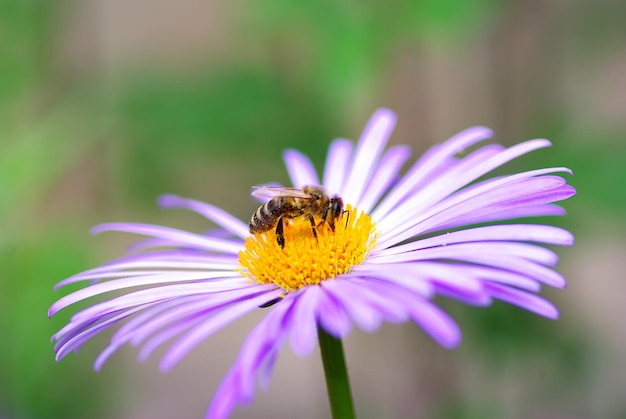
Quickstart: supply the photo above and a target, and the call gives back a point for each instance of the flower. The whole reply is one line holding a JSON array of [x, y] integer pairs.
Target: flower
[[400, 240]]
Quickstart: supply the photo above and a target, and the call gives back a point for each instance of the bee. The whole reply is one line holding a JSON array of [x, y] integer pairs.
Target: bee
[[311, 202]]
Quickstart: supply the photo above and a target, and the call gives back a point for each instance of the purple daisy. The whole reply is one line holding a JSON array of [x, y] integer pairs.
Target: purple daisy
[[400, 240]]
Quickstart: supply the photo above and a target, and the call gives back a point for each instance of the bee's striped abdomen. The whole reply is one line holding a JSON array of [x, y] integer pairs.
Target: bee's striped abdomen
[[267, 215]]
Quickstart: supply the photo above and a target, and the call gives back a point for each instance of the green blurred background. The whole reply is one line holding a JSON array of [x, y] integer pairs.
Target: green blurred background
[[104, 104]]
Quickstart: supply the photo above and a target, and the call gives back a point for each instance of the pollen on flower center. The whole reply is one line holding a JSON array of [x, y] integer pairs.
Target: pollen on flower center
[[306, 260]]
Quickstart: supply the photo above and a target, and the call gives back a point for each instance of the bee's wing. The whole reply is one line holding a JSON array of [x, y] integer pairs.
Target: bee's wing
[[270, 192]]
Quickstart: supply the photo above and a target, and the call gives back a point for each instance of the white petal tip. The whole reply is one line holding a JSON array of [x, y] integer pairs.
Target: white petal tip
[[385, 114]]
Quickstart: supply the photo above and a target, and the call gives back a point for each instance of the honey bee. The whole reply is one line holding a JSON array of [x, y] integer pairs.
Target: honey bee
[[309, 202]]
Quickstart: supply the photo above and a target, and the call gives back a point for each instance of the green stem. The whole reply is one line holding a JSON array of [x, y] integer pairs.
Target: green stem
[[337, 382]]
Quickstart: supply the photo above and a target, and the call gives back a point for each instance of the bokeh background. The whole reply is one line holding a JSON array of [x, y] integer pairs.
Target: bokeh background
[[105, 104]]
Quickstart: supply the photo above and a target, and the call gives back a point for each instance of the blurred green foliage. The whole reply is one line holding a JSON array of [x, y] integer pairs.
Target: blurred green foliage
[[36, 146], [33, 386], [23, 42]]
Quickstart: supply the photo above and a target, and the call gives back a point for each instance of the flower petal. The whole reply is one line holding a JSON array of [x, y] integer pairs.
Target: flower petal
[[125, 334], [181, 238], [102, 274], [301, 170], [304, 336], [73, 341], [510, 232], [467, 251], [206, 328], [154, 294], [89, 322], [432, 162], [433, 320], [436, 323], [332, 316], [220, 280], [385, 174], [397, 273], [368, 151], [213, 213], [357, 306], [525, 300], [336, 165], [259, 348], [184, 317], [468, 205]]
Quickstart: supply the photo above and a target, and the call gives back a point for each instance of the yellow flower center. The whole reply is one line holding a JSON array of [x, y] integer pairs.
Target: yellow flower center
[[306, 260]]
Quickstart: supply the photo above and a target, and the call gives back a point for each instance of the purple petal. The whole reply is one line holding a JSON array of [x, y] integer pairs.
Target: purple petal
[[430, 200], [259, 348], [82, 328], [476, 300], [199, 333], [368, 150], [510, 232], [436, 323], [184, 317], [387, 298], [120, 339], [367, 317], [434, 159], [478, 212], [416, 192], [304, 336], [469, 171], [217, 215], [331, 315], [399, 274], [491, 197], [368, 302], [490, 274], [226, 397], [172, 255], [300, 168], [525, 300], [180, 237], [467, 251], [336, 165], [119, 270], [384, 176], [135, 281], [433, 320], [148, 244], [500, 214], [416, 276], [267, 367], [511, 262], [126, 332], [75, 334], [192, 306], [156, 294], [159, 339]]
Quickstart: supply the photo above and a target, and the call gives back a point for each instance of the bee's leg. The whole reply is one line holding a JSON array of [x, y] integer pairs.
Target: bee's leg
[[324, 216], [347, 218], [280, 237], [312, 221], [331, 222]]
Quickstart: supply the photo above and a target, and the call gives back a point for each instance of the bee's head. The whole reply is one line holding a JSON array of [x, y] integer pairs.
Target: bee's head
[[336, 205]]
